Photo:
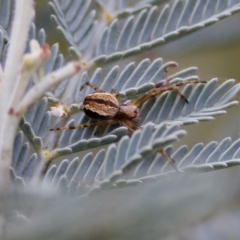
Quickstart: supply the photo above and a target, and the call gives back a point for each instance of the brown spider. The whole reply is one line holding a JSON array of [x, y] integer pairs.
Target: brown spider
[[105, 108]]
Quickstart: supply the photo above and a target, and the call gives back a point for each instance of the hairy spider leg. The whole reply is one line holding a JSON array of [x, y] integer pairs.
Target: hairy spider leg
[[90, 124], [169, 159], [117, 95], [180, 95], [91, 86], [138, 101], [166, 83], [155, 91], [130, 126]]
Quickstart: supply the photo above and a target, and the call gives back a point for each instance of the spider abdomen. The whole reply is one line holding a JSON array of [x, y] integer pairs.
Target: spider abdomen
[[100, 105]]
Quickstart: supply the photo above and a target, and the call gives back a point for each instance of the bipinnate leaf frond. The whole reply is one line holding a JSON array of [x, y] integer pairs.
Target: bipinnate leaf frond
[[144, 28], [76, 23], [6, 13], [151, 28], [133, 161], [36, 121], [117, 160], [200, 158], [205, 102], [213, 156], [24, 166], [130, 81], [121, 9], [90, 171], [139, 159]]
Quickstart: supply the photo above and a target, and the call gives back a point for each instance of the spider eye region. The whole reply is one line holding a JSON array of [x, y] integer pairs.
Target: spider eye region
[[129, 112], [100, 106]]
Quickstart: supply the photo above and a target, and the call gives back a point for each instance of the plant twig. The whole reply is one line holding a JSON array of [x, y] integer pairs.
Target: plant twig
[[38, 90], [19, 34]]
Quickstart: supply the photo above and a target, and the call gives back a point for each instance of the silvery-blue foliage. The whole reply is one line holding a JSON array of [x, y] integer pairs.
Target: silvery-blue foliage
[[6, 8], [205, 100], [101, 32], [134, 34], [108, 166]]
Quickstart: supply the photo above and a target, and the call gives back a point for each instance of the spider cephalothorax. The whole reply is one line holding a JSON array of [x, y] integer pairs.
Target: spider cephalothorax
[[105, 108]]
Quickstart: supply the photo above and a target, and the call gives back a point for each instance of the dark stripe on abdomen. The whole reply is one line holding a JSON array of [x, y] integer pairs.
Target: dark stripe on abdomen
[[94, 115], [101, 101]]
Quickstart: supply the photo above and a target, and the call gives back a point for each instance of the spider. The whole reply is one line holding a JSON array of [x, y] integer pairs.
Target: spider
[[105, 108]]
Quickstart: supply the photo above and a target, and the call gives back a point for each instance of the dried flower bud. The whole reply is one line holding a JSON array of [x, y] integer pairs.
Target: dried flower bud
[[59, 110]]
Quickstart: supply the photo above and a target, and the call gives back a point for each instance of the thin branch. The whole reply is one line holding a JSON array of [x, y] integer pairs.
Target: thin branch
[[31, 62], [1, 96], [24, 15], [44, 85]]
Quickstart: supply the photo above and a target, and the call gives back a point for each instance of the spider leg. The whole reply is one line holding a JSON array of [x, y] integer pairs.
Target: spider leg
[[118, 95], [125, 124], [138, 101], [100, 128], [90, 124], [130, 126], [169, 159], [180, 95], [174, 89], [92, 86]]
